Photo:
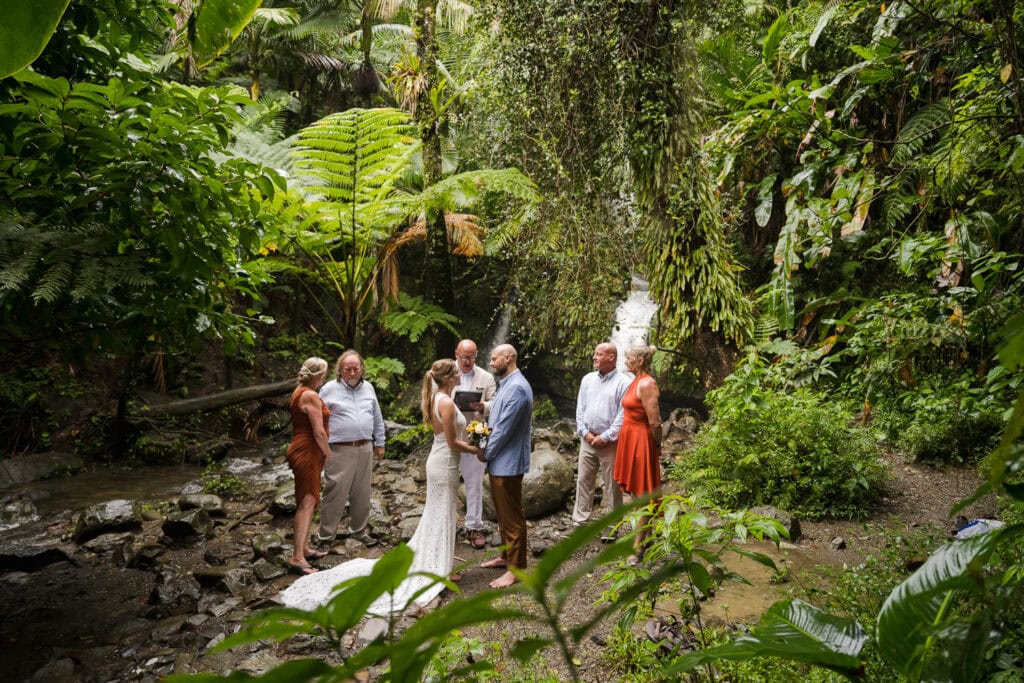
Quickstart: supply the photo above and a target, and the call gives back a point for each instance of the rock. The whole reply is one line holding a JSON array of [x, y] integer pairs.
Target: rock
[[239, 466], [284, 500], [225, 549], [265, 571], [214, 505], [176, 591], [21, 469], [838, 543], [236, 580], [269, 546], [791, 523], [259, 663], [147, 556], [185, 524], [681, 429], [407, 527], [546, 486], [210, 576], [406, 485], [16, 512], [58, 670], [24, 556], [560, 436], [192, 488], [373, 628], [114, 515], [197, 620], [106, 543]]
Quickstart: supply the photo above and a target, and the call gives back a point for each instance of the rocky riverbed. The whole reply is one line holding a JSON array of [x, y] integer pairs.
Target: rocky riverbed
[[138, 588]]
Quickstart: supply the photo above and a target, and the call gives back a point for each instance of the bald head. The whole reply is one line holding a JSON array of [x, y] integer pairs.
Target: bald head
[[465, 355], [503, 359], [605, 357]]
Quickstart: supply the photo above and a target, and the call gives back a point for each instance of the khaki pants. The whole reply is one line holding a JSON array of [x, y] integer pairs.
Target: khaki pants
[[347, 474], [591, 461], [507, 493]]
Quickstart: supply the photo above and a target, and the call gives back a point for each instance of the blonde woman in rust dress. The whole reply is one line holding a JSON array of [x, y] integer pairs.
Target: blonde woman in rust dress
[[307, 454], [638, 455]]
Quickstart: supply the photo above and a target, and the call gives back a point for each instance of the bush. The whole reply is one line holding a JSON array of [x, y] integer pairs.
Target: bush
[[794, 451]]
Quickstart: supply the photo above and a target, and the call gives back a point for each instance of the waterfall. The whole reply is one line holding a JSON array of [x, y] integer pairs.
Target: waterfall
[[500, 334], [633, 319]]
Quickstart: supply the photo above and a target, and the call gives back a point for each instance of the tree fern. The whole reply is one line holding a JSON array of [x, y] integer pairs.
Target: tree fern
[[923, 126]]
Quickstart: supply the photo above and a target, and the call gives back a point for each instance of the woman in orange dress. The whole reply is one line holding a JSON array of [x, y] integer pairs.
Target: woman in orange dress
[[307, 454], [638, 455]]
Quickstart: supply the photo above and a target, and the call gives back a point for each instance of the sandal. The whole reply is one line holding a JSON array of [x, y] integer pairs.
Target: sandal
[[303, 569], [316, 554]]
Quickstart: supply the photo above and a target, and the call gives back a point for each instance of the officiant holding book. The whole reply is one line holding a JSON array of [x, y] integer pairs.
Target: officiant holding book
[[477, 387]]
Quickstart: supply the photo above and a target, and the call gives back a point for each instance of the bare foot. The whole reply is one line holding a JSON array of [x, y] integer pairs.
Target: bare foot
[[496, 563], [504, 581]]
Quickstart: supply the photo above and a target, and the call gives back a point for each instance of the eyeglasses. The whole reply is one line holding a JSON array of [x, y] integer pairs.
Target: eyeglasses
[[461, 357]]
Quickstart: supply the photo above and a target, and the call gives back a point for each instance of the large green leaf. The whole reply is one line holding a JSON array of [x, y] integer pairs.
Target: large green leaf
[[794, 630], [907, 618], [217, 23], [25, 30]]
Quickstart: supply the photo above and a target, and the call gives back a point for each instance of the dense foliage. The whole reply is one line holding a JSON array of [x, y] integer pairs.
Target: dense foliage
[[793, 450]]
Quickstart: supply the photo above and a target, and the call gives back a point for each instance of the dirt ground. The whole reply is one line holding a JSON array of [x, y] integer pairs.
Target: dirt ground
[[920, 496]]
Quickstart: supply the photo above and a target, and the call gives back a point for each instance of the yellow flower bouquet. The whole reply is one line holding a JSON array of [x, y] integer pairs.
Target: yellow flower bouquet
[[478, 432]]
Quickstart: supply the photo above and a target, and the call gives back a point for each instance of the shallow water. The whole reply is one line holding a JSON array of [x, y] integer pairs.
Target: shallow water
[[142, 483]]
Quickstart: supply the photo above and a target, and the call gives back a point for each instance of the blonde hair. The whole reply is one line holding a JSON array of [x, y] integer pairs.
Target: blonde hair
[[439, 374], [312, 367], [641, 356]]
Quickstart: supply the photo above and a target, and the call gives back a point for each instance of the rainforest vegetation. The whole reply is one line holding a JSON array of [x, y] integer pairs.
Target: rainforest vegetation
[[827, 199]]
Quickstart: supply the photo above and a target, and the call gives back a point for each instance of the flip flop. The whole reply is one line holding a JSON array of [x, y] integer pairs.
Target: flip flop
[[302, 569]]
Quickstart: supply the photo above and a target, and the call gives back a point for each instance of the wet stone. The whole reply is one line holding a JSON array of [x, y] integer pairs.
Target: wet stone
[[175, 590], [147, 556], [269, 546], [214, 505], [265, 571], [186, 524], [114, 515], [236, 580], [106, 543], [284, 500]]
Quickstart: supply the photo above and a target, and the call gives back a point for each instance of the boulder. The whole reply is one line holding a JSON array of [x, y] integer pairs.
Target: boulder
[[16, 512], [265, 571], [188, 524], [560, 436], [270, 546], [114, 515], [284, 500], [680, 429], [29, 557], [147, 556], [546, 487], [214, 505], [21, 469], [157, 449], [176, 591], [105, 543]]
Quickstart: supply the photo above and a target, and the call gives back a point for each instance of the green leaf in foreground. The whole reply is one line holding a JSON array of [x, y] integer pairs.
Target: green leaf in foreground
[[795, 630], [25, 30]]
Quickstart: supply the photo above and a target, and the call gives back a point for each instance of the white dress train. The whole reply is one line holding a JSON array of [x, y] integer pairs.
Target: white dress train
[[433, 544]]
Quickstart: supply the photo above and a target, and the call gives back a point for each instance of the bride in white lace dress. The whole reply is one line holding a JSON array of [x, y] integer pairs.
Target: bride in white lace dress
[[433, 544]]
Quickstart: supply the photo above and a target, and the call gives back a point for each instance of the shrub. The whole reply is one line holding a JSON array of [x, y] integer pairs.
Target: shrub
[[794, 451]]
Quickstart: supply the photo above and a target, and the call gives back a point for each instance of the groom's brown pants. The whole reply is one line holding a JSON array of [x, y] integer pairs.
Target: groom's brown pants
[[507, 493]]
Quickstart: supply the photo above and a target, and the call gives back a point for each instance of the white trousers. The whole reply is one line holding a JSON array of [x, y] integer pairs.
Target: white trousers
[[473, 477]]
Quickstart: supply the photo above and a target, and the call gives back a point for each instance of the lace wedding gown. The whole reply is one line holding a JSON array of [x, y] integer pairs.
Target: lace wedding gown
[[433, 544]]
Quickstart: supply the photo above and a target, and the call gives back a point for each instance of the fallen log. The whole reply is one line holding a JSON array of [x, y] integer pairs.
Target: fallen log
[[224, 398]]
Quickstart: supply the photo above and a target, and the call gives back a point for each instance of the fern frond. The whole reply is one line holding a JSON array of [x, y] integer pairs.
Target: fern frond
[[54, 282], [924, 125]]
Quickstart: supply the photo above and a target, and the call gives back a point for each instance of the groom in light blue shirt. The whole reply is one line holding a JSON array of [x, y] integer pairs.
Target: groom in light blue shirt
[[508, 458]]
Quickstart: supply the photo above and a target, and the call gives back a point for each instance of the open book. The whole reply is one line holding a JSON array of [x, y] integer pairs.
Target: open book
[[463, 397]]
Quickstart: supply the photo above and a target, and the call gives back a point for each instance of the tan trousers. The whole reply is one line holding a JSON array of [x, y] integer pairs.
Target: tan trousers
[[507, 493], [591, 461], [347, 474]]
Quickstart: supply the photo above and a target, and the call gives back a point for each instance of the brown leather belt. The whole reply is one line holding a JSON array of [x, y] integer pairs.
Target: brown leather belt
[[361, 442]]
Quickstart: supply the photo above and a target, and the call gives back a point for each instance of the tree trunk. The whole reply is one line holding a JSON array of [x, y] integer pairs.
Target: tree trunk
[[225, 398], [437, 272]]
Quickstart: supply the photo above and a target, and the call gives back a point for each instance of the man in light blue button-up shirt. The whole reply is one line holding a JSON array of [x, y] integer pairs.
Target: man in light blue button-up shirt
[[598, 420], [356, 437]]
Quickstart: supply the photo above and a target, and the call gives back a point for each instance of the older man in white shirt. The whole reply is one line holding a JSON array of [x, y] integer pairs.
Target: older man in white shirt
[[474, 378], [598, 421]]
